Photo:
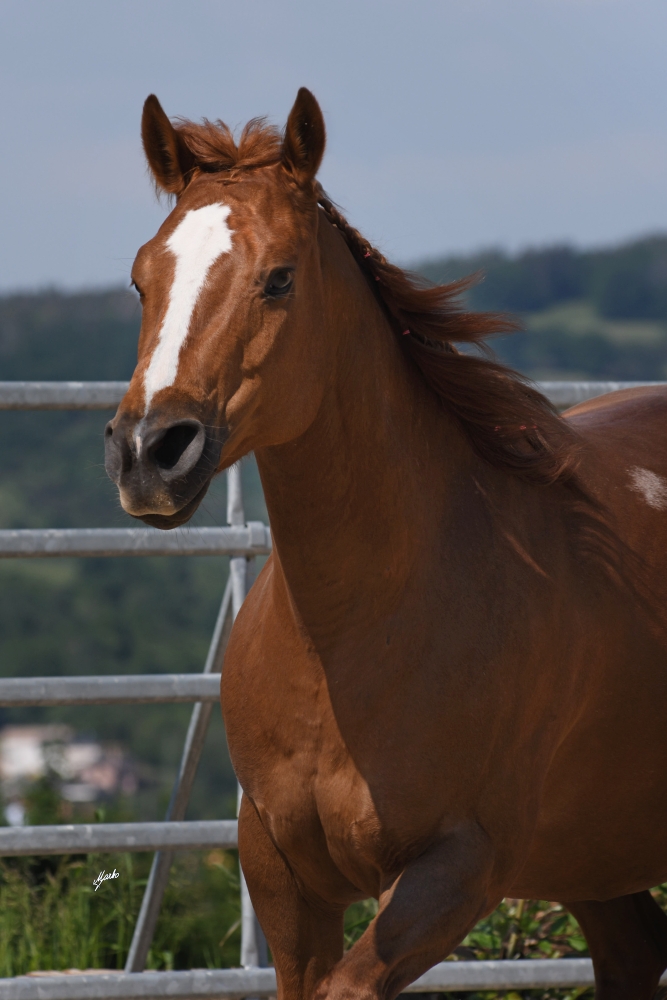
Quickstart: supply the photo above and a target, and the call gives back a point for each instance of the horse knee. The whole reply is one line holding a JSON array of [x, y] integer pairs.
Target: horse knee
[[427, 912]]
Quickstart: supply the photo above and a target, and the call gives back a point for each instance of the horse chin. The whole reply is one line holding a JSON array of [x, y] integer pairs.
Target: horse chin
[[165, 522]]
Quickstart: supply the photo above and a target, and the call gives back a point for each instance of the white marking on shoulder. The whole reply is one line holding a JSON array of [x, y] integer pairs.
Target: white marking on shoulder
[[198, 240], [652, 487]]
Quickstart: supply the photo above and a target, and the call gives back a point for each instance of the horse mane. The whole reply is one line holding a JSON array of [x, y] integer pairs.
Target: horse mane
[[508, 421]]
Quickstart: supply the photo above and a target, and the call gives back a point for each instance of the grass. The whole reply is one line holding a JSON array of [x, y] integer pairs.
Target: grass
[[51, 916]]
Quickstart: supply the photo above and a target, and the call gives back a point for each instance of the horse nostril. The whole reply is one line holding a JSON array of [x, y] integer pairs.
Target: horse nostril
[[173, 443], [117, 454]]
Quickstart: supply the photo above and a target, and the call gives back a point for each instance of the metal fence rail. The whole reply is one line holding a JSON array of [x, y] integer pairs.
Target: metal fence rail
[[89, 838], [242, 542], [106, 395], [232, 984], [253, 539], [564, 394], [113, 690], [61, 395]]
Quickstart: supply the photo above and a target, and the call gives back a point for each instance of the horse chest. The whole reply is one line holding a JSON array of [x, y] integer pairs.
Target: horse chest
[[347, 780], [324, 821]]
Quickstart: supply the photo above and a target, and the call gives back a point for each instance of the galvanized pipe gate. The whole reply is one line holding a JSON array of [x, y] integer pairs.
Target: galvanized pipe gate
[[243, 542]]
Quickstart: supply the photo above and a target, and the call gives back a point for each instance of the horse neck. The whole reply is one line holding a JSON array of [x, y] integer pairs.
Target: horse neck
[[351, 500]]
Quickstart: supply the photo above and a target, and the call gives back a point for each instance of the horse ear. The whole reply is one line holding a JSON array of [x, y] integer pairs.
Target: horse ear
[[305, 137], [170, 160]]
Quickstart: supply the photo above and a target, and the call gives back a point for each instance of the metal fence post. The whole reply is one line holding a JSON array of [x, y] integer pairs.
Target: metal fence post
[[180, 796], [254, 950]]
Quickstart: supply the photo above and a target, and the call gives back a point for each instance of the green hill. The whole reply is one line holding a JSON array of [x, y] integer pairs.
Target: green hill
[[585, 314]]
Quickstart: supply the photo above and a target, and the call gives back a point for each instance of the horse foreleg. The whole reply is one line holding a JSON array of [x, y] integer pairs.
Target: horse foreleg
[[422, 917], [305, 935], [627, 938]]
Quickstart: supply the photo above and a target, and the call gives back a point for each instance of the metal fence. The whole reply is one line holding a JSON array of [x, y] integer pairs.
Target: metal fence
[[243, 542]]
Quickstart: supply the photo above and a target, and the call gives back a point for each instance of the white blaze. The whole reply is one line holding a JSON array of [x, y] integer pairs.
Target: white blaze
[[196, 243], [651, 486]]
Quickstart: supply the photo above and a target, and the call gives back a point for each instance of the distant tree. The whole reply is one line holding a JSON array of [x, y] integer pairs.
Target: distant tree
[[630, 282], [627, 282], [526, 283]]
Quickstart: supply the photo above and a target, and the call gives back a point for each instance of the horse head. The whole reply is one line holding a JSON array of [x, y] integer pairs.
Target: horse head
[[231, 291]]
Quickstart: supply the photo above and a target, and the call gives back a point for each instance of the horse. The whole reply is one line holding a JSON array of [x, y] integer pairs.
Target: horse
[[448, 683]]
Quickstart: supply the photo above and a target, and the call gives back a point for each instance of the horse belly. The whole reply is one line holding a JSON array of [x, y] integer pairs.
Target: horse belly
[[603, 816]]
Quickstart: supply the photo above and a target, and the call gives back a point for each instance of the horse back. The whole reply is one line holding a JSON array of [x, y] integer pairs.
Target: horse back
[[624, 463]]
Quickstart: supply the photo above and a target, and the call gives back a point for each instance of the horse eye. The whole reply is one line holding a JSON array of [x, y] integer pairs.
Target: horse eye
[[279, 283], [134, 285]]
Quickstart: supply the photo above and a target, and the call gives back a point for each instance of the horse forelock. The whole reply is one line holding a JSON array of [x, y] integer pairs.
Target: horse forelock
[[214, 148]]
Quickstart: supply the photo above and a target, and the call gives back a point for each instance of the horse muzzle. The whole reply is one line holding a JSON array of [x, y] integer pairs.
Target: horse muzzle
[[162, 468]]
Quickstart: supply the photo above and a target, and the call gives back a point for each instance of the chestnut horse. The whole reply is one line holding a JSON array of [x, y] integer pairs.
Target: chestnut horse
[[449, 682]]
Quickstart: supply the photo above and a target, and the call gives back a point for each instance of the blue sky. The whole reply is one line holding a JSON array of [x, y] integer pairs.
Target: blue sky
[[453, 124]]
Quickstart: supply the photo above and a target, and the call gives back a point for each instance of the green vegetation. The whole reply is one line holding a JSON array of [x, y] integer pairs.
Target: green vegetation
[[585, 314], [600, 314], [626, 282], [52, 917]]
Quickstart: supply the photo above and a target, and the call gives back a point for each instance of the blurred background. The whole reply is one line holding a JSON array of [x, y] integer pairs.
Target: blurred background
[[524, 141], [453, 125]]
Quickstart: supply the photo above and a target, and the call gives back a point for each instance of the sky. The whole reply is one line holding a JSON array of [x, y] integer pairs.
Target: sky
[[453, 125]]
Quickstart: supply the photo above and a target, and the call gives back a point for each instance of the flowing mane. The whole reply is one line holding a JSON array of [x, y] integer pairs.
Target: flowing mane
[[507, 420], [509, 423]]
